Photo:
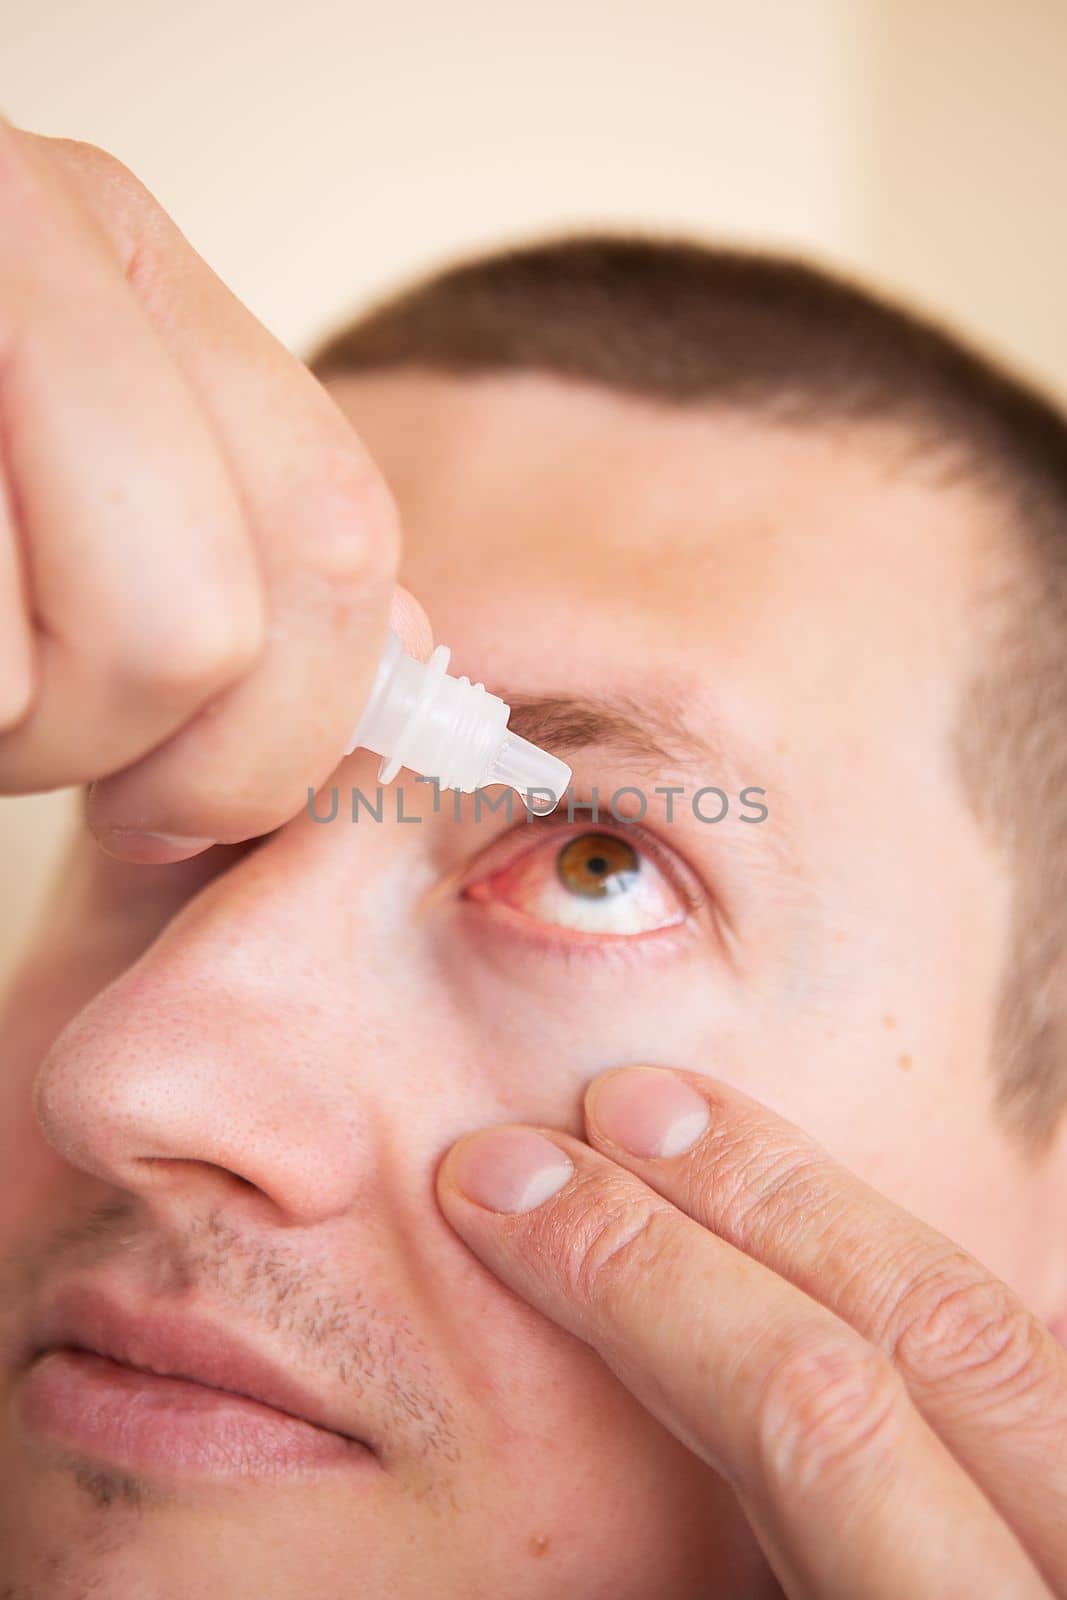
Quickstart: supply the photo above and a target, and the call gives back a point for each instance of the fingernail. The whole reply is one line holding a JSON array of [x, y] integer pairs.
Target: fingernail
[[509, 1169], [151, 849], [647, 1111]]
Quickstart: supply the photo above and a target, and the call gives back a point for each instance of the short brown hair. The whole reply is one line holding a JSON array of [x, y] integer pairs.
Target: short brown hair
[[692, 324]]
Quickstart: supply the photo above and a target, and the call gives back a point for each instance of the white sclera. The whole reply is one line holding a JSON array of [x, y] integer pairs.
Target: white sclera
[[452, 730]]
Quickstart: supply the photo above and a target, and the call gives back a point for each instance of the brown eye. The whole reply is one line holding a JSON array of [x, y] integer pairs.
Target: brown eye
[[597, 865], [596, 884]]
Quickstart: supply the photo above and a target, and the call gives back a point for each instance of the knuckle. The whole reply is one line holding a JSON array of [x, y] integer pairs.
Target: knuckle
[[128, 212], [30, 164], [84, 159], [974, 1333], [355, 530], [830, 1409], [618, 1243], [193, 656], [758, 1187], [105, 181]]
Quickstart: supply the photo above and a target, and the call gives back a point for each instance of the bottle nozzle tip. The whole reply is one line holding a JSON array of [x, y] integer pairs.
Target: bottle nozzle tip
[[540, 778]]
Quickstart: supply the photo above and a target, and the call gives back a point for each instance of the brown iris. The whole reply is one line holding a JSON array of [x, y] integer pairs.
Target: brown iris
[[597, 865]]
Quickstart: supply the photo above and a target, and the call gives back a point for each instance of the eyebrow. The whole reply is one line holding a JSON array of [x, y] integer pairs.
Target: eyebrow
[[650, 733]]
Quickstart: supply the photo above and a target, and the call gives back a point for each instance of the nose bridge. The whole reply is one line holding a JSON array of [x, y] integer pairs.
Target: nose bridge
[[234, 1045], [278, 934]]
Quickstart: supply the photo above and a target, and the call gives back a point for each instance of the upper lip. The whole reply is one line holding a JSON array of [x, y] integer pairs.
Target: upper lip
[[171, 1343]]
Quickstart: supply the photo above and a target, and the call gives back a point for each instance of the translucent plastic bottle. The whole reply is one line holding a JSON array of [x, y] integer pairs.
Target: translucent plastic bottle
[[452, 730]]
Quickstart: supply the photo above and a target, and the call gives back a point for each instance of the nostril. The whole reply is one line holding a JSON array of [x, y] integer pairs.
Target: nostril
[[185, 1170]]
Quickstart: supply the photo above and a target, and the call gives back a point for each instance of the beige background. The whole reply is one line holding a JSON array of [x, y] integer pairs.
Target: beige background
[[315, 149]]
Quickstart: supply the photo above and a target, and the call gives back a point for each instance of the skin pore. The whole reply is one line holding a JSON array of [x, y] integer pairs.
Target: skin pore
[[284, 1040]]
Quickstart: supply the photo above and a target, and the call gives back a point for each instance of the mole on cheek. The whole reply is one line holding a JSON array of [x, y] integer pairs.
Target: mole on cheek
[[904, 1062], [539, 1544]]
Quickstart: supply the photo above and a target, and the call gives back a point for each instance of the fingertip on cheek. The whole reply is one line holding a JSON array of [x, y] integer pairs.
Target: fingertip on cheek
[[648, 1111], [506, 1169]]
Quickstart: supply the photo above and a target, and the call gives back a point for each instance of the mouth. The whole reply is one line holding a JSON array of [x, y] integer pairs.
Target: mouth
[[162, 1392]]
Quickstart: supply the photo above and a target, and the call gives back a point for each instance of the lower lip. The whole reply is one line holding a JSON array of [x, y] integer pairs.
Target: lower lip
[[144, 1422]]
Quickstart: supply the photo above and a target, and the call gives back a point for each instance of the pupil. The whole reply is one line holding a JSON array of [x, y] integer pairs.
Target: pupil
[[597, 865]]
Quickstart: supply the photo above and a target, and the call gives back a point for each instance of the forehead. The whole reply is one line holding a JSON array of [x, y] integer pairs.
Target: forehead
[[808, 565]]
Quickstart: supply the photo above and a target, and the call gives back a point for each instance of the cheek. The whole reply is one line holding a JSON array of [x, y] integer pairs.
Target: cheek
[[609, 1499], [543, 1026], [914, 1119], [882, 1062], [37, 1007], [90, 937]]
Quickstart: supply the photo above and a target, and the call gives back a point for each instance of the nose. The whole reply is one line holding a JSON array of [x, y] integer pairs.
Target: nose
[[235, 1054]]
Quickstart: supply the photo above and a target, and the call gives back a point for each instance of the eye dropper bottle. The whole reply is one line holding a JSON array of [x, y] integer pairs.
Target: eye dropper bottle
[[452, 730]]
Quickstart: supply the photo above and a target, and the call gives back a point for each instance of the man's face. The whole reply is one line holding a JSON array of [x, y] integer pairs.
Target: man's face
[[271, 1049]]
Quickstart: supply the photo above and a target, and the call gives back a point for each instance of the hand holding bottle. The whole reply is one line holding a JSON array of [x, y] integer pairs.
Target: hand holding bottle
[[197, 556]]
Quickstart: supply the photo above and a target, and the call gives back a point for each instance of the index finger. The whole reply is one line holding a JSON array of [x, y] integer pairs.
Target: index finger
[[984, 1372], [807, 1421]]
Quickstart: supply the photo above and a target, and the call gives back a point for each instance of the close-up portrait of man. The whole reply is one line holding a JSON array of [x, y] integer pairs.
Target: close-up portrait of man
[[411, 1189]]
